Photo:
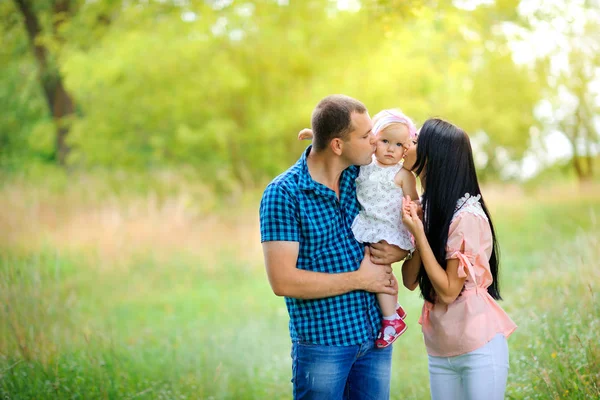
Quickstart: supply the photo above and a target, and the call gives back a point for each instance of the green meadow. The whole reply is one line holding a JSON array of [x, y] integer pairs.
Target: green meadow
[[136, 137], [120, 296]]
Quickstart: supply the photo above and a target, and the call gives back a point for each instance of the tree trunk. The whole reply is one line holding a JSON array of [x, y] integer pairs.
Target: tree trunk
[[60, 102], [578, 168], [63, 107], [583, 165]]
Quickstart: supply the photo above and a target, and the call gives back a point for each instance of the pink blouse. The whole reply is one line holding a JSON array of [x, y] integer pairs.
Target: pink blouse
[[474, 318]]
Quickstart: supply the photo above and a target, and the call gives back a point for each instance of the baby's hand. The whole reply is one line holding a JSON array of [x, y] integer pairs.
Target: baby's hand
[[305, 134], [406, 202], [410, 217], [419, 209]]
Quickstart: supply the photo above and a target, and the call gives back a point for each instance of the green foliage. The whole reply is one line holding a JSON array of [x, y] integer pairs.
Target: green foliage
[[225, 88]]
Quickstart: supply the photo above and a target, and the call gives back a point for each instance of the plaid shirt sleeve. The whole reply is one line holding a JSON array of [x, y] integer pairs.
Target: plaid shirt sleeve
[[278, 216]]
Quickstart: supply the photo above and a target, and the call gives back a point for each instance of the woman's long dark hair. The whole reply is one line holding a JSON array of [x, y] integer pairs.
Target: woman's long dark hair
[[445, 163]]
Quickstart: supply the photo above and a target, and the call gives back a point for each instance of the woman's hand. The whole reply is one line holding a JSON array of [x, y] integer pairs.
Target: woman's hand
[[410, 216]]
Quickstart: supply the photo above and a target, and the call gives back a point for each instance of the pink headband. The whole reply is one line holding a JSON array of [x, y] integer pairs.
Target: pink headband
[[387, 117]]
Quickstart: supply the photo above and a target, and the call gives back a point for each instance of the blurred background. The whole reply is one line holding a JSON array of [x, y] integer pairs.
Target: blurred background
[[136, 137]]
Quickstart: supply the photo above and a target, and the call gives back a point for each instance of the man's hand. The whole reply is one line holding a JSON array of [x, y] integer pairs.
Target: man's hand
[[384, 253], [376, 278]]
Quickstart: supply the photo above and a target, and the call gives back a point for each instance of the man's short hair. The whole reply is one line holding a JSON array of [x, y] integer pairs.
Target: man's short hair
[[332, 118]]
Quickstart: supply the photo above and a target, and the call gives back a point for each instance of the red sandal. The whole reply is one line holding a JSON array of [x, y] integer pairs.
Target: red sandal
[[384, 340], [400, 311]]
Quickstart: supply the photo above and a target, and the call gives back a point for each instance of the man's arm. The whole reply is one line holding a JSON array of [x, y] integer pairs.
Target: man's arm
[[287, 280]]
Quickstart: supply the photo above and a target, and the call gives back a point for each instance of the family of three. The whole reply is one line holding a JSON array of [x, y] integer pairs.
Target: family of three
[[334, 223]]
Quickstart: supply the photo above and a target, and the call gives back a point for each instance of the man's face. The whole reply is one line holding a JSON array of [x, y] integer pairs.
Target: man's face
[[360, 145]]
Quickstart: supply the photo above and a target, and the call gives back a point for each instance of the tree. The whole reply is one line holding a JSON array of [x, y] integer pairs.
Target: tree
[[51, 27], [224, 87], [456, 63], [570, 68], [59, 100]]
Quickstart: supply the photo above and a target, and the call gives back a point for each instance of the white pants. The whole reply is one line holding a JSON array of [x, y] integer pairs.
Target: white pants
[[478, 375]]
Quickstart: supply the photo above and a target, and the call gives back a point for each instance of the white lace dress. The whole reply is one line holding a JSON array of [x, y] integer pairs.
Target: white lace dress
[[380, 198]]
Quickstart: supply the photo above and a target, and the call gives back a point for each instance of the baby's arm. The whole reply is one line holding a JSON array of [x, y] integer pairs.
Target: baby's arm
[[408, 182], [305, 134]]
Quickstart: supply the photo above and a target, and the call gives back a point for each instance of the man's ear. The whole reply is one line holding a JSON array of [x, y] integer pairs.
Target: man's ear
[[337, 145]]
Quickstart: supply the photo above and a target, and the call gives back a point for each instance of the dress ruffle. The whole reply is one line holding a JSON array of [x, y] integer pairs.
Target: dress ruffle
[[368, 232]]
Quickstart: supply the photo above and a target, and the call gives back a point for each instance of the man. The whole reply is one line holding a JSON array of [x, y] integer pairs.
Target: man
[[313, 260]]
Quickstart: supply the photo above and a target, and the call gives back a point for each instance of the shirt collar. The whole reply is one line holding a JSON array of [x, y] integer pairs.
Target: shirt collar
[[306, 182]]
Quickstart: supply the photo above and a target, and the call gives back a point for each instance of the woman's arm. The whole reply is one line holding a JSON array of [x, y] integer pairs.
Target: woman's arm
[[446, 283], [410, 271]]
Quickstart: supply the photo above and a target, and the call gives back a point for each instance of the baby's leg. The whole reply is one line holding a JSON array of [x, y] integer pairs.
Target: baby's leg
[[392, 325], [388, 302]]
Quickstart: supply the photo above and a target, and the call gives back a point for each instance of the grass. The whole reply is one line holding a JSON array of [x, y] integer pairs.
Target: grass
[[145, 297]]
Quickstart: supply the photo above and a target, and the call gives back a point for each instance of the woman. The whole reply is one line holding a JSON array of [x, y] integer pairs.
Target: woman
[[456, 269]]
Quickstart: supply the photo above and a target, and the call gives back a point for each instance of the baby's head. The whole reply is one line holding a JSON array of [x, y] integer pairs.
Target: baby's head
[[394, 133]]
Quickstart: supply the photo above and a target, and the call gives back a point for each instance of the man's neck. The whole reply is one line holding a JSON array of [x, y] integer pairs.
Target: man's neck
[[326, 168]]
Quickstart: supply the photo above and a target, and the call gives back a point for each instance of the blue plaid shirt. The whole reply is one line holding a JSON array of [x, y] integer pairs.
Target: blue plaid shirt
[[295, 208]]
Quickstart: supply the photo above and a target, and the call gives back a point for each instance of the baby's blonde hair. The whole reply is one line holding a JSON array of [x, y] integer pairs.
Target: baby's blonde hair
[[385, 118]]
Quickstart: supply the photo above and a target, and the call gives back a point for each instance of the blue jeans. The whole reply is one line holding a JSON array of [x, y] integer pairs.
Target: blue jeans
[[478, 375], [360, 372]]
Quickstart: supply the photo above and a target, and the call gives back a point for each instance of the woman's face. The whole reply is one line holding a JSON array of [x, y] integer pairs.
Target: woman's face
[[410, 157]]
